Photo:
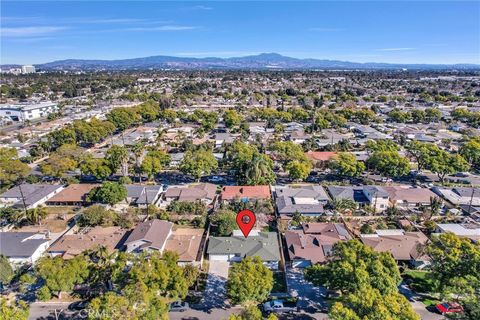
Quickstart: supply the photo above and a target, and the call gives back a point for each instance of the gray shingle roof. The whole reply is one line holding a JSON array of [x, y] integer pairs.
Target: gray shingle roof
[[20, 244], [286, 199], [348, 192], [141, 194], [32, 193], [265, 245], [153, 231]]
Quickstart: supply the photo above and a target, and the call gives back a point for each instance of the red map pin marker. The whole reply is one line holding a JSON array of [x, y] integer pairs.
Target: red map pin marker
[[246, 220]]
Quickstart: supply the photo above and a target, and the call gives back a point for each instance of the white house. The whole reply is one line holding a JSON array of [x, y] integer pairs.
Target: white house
[[27, 111], [29, 195], [149, 235], [23, 247], [378, 197]]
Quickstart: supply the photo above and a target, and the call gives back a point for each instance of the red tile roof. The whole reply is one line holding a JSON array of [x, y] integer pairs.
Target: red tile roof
[[255, 192], [320, 155]]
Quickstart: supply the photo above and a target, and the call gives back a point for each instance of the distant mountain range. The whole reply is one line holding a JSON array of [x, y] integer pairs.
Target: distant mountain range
[[264, 61]]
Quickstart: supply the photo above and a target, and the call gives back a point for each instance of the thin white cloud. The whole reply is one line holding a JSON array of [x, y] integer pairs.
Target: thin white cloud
[[31, 40], [396, 49], [202, 7], [162, 28], [322, 29], [29, 31], [112, 20]]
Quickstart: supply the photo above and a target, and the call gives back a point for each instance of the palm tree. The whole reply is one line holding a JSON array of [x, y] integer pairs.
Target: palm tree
[[259, 171], [35, 215], [138, 153]]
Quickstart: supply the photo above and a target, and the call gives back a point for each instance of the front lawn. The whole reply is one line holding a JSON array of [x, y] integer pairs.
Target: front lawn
[[430, 302], [419, 281], [279, 282]]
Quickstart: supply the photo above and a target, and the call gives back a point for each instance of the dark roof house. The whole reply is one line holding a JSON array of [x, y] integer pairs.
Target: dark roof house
[[149, 235], [314, 242]]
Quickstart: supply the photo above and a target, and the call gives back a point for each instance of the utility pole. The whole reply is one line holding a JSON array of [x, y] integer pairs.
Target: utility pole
[[23, 198], [471, 200]]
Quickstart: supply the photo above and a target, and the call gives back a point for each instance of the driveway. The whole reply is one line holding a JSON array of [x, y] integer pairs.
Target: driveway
[[49, 310], [418, 306], [310, 297], [215, 294]]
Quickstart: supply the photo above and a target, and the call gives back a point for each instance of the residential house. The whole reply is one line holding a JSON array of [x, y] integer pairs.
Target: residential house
[[354, 193], [313, 243], [235, 248], [29, 195], [73, 195], [377, 197], [149, 235], [320, 159], [70, 245], [298, 137], [407, 197], [142, 196], [306, 200], [204, 192], [23, 247], [223, 138], [459, 195], [176, 159], [186, 242], [403, 245], [245, 193], [467, 230]]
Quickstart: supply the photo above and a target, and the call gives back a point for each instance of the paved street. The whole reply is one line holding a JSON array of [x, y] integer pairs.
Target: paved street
[[417, 305], [223, 314], [310, 297], [49, 310], [215, 291], [214, 314]]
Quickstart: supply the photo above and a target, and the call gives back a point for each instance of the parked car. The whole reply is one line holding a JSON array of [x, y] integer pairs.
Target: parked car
[[78, 305], [449, 307], [280, 306], [178, 306]]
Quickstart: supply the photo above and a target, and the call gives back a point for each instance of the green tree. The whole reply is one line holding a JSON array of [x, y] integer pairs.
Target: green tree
[[123, 118], [232, 118], [111, 306], [116, 158], [453, 257], [347, 165], [97, 215], [153, 163], [198, 163], [389, 163], [6, 271], [443, 163], [258, 172], [61, 275], [249, 280], [287, 151], [382, 145], [225, 222], [369, 303], [108, 192], [399, 116], [96, 167], [191, 274], [36, 215], [13, 311], [11, 168], [471, 152], [299, 170], [353, 266]]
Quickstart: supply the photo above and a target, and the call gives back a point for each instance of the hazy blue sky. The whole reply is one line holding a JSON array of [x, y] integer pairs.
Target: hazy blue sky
[[380, 31]]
